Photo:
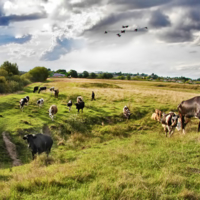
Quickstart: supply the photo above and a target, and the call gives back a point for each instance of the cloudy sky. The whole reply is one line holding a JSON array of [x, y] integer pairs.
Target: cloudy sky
[[69, 34]]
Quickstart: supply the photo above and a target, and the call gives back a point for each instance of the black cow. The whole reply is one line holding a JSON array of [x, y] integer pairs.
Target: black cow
[[35, 89], [42, 88], [39, 143], [80, 105], [93, 96], [187, 109]]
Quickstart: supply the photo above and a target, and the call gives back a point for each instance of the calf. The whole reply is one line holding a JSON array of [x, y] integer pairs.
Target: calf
[[159, 114], [40, 102], [170, 122], [52, 111], [155, 117], [126, 112], [188, 109], [93, 96], [51, 89], [56, 92], [35, 89], [42, 88], [69, 104], [80, 103], [23, 101], [39, 143]]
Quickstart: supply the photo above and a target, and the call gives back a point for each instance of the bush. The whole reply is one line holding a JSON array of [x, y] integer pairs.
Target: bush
[[39, 74]]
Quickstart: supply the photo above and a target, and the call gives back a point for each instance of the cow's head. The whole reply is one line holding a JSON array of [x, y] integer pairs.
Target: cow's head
[[29, 138]]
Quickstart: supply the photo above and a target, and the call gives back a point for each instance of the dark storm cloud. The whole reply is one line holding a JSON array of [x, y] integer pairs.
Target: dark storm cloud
[[6, 20], [114, 18], [7, 39], [176, 36], [159, 20], [62, 47]]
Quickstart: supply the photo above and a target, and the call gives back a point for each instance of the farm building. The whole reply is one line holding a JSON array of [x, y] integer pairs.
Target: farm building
[[58, 75]]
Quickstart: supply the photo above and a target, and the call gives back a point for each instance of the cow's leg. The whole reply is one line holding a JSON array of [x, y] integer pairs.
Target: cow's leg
[[183, 124], [199, 125]]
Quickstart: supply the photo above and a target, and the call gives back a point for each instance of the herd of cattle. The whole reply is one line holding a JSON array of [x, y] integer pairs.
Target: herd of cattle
[[186, 109]]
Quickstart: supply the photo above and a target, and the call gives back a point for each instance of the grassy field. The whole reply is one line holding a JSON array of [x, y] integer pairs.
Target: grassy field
[[98, 154]]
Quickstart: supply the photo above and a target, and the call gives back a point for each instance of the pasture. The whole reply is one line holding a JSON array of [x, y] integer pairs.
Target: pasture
[[98, 154]]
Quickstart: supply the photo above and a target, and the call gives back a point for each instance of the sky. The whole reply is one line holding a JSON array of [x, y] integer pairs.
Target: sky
[[70, 34]]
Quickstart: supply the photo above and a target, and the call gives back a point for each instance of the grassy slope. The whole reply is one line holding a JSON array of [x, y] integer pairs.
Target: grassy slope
[[120, 160]]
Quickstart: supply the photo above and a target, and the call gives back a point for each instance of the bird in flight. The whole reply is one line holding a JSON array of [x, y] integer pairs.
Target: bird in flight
[[122, 31], [125, 26], [118, 35]]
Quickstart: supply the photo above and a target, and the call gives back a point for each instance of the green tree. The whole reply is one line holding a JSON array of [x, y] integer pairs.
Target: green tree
[[39, 74], [73, 73], [3, 72], [92, 75], [128, 77], [12, 69], [85, 74]]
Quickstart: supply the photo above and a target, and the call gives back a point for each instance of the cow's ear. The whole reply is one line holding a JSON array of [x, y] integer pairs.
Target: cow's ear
[[25, 137], [34, 136]]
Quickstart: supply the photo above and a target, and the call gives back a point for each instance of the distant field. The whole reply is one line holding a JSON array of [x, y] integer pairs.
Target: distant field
[[98, 154]]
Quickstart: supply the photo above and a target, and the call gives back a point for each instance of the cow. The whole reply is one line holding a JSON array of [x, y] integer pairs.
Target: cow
[[93, 96], [39, 143], [188, 109], [155, 117], [80, 103], [23, 101], [126, 112], [40, 102], [69, 104], [159, 114], [169, 122], [56, 92], [51, 89], [35, 89], [42, 88], [52, 111]]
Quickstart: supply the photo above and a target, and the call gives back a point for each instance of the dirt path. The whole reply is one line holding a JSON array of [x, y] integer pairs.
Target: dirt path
[[11, 148]]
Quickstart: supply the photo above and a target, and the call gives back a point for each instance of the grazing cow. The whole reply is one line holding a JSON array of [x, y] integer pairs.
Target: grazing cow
[[188, 109], [23, 101], [155, 117], [40, 102], [56, 92], [35, 89], [80, 103], [93, 96], [169, 122], [69, 104], [51, 89], [39, 143], [52, 111], [126, 112], [42, 88], [159, 114]]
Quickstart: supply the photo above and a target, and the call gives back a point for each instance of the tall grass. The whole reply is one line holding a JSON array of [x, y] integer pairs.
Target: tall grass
[[98, 154]]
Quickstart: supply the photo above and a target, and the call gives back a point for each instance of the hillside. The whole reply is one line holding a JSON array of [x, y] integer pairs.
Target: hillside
[[98, 154]]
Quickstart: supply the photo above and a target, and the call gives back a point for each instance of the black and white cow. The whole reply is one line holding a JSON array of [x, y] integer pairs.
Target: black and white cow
[[35, 89], [69, 104], [80, 103], [42, 88], [52, 111], [40, 102], [39, 143], [51, 89], [169, 122], [126, 112], [23, 101]]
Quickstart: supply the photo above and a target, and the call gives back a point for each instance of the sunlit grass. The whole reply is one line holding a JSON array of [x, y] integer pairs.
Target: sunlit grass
[[98, 154]]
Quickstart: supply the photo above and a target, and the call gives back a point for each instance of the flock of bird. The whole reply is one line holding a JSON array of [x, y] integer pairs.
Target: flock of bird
[[123, 31]]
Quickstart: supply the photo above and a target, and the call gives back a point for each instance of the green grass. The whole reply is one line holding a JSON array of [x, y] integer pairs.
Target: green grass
[[98, 154]]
